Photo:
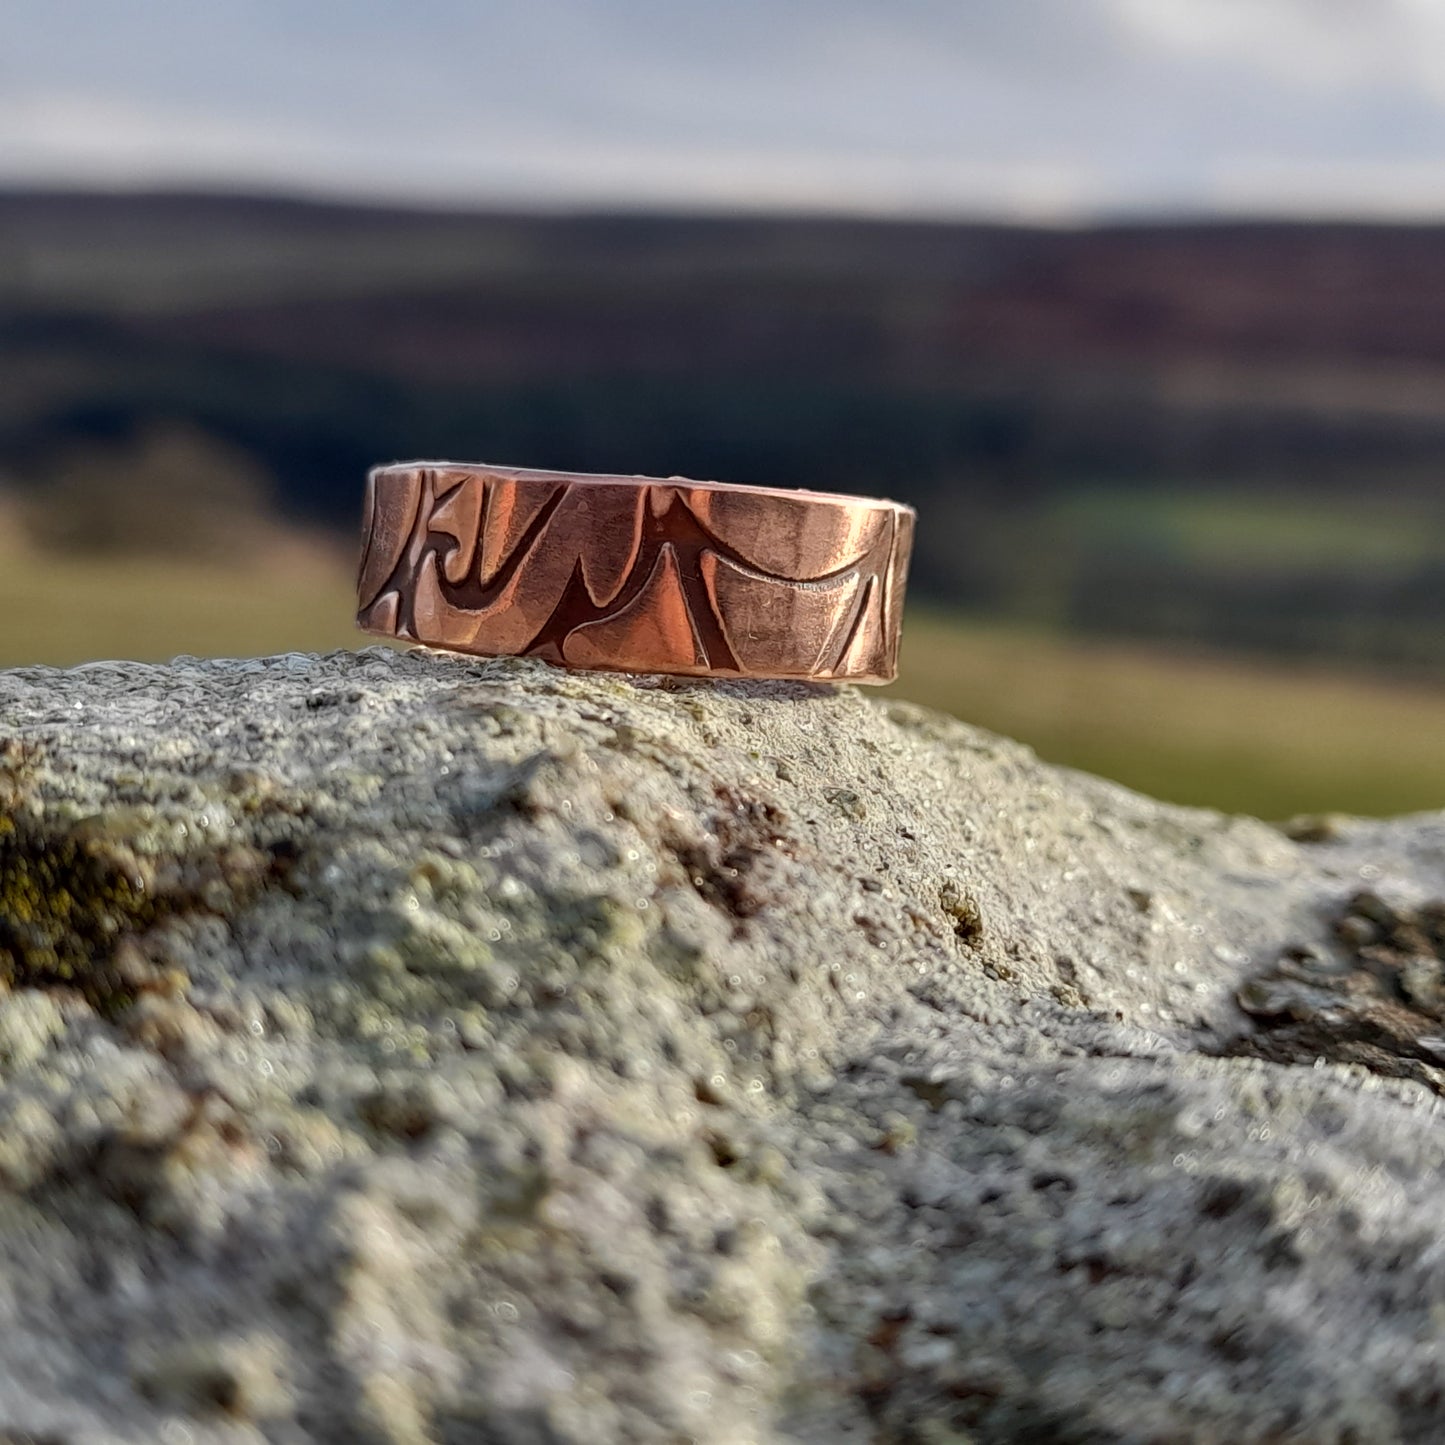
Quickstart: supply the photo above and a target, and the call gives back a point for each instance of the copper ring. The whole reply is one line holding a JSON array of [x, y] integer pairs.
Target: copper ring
[[635, 574]]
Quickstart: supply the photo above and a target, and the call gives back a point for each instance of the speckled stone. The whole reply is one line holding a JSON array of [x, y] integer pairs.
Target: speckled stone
[[413, 1049]]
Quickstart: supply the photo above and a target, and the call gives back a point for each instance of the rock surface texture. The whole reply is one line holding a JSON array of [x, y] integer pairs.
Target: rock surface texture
[[407, 1049]]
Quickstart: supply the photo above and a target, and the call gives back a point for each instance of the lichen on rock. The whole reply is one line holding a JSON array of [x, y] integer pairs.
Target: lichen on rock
[[403, 1048], [1376, 998], [78, 898]]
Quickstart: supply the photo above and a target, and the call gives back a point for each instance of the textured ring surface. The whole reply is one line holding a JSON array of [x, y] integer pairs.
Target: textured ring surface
[[635, 574]]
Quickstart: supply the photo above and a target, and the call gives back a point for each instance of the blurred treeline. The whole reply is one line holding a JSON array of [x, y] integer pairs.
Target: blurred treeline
[[1233, 434]]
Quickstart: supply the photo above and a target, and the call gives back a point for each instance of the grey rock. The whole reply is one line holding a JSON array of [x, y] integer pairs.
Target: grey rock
[[404, 1049]]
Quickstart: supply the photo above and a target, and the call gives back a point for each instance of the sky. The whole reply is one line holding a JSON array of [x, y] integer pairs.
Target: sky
[[1028, 109]]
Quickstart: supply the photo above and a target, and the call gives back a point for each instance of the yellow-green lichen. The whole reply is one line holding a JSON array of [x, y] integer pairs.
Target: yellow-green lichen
[[66, 899], [73, 893]]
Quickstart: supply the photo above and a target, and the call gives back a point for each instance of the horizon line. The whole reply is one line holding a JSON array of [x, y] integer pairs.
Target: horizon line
[[501, 203]]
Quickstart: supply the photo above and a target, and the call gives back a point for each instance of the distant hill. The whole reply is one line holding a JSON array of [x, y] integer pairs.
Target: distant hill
[[1228, 432]]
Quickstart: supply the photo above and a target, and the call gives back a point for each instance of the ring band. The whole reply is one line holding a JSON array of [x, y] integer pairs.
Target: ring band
[[635, 574]]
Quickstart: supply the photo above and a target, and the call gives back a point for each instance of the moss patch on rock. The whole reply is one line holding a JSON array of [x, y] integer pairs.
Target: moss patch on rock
[[76, 895]]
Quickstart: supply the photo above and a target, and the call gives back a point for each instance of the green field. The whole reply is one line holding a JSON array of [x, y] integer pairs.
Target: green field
[[1248, 736], [65, 610], [1254, 737]]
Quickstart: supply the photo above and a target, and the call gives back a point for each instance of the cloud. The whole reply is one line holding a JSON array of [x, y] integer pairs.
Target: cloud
[[1323, 45], [1037, 107]]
